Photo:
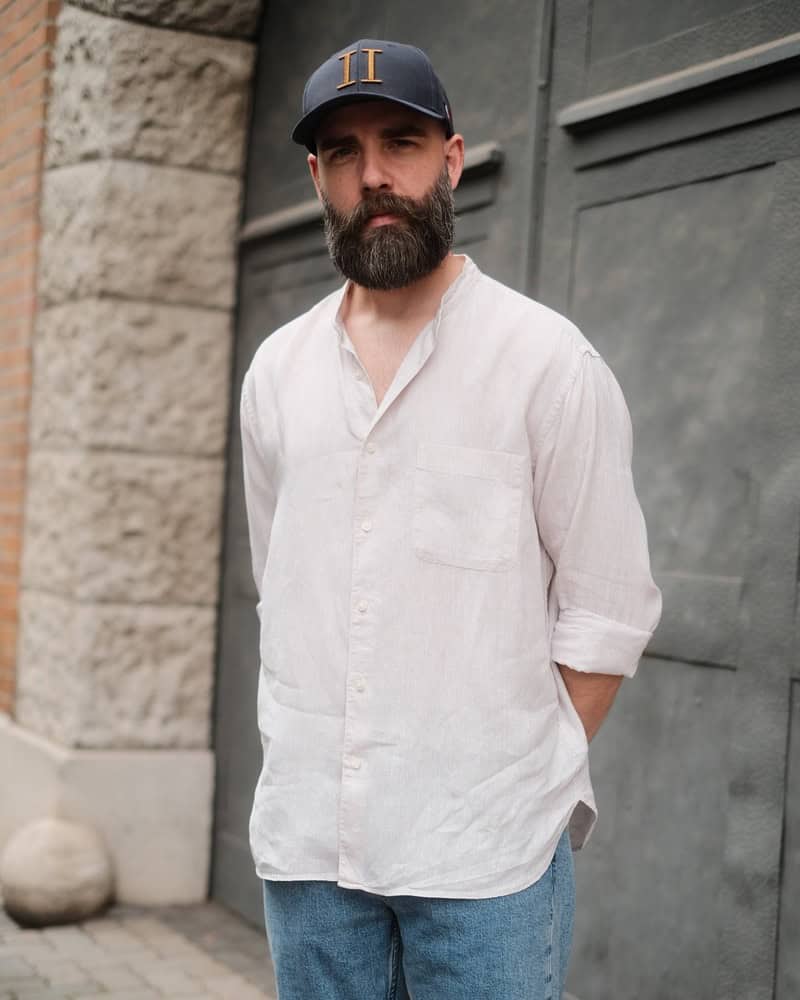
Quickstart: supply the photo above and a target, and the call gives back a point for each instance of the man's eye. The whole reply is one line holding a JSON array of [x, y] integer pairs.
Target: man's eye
[[402, 143], [339, 154]]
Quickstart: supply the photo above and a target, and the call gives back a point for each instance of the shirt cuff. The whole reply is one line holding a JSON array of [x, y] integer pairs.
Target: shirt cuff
[[592, 644]]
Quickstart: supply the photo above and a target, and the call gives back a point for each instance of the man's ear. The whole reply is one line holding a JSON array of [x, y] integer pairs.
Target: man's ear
[[313, 167], [454, 158]]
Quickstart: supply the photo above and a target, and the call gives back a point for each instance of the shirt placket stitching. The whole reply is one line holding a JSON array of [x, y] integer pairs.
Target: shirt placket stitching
[[410, 367], [360, 620]]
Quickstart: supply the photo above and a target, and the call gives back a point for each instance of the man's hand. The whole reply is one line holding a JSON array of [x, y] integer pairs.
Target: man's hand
[[592, 695]]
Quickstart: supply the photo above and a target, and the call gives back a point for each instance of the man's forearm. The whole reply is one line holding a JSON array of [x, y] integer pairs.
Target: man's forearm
[[592, 695]]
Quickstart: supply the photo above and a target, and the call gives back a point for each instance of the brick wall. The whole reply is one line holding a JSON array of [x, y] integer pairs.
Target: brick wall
[[27, 32]]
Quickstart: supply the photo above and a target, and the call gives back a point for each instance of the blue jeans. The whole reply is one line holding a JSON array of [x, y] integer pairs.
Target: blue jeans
[[330, 943]]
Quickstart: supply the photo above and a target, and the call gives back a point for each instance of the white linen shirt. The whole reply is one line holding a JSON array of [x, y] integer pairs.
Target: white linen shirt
[[421, 567]]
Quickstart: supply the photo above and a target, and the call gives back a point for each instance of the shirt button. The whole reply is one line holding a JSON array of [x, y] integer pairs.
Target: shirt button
[[352, 762], [362, 606], [360, 684], [359, 375], [370, 447], [366, 525]]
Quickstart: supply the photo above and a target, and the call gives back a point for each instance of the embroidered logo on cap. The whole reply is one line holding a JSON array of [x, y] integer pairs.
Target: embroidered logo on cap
[[347, 80]]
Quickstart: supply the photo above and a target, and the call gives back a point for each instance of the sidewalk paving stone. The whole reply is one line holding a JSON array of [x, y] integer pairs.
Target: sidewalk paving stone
[[200, 952]]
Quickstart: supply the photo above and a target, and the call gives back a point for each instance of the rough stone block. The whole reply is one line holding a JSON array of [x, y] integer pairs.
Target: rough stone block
[[125, 90], [214, 17], [115, 676], [55, 871], [138, 231], [110, 526], [132, 376]]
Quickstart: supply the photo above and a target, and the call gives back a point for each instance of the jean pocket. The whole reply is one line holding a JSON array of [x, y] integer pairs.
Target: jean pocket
[[467, 504]]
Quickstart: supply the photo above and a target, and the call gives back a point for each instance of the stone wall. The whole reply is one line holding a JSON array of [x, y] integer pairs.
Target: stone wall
[[140, 206]]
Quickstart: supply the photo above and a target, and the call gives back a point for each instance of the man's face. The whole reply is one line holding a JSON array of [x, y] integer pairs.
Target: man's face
[[385, 177]]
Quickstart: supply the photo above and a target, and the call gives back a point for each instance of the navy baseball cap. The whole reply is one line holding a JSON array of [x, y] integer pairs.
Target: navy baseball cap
[[370, 70]]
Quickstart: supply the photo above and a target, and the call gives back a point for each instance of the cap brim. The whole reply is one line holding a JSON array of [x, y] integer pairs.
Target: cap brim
[[305, 130]]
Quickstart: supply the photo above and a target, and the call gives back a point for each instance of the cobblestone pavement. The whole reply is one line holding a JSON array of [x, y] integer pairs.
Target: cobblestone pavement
[[198, 952]]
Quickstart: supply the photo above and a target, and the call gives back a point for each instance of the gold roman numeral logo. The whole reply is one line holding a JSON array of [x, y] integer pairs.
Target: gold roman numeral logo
[[346, 60], [370, 77]]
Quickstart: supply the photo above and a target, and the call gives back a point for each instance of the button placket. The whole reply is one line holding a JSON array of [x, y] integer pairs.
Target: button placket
[[364, 594], [355, 766]]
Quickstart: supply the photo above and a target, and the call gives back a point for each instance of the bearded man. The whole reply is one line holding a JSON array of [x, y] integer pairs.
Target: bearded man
[[453, 580]]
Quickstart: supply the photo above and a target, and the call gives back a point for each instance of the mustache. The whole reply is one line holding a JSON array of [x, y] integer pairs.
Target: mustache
[[383, 204]]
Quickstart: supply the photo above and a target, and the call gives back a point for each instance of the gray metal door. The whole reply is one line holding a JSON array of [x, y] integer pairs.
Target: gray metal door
[[491, 70], [671, 234]]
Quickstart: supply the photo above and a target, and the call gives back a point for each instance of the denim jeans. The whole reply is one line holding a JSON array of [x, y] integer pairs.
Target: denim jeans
[[330, 943]]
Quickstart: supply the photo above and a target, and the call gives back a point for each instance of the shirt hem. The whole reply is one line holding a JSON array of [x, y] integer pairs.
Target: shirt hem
[[522, 881], [269, 876]]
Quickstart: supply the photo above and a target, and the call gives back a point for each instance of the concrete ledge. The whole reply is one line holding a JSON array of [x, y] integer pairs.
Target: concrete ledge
[[153, 808]]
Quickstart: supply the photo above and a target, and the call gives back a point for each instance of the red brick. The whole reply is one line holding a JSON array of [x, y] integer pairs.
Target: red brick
[[10, 556], [17, 276], [32, 93], [9, 596], [19, 378], [12, 492], [13, 242], [18, 271], [34, 45], [16, 334], [12, 428], [21, 119], [8, 635], [33, 68], [9, 522], [26, 20], [25, 163], [13, 448], [16, 9], [37, 45], [18, 210], [13, 312], [16, 402], [23, 140], [12, 496], [14, 357]]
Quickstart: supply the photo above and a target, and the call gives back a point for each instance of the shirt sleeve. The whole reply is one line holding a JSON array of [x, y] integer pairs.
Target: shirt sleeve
[[259, 490], [592, 527]]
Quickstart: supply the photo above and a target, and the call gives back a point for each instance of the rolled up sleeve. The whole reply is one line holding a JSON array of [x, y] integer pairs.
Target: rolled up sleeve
[[592, 527]]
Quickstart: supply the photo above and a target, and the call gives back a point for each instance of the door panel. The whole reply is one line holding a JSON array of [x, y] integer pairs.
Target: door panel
[[646, 895], [672, 247], [788, 984]]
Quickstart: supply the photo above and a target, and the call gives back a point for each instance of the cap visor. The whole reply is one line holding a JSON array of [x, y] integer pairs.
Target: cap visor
[[305, 130]]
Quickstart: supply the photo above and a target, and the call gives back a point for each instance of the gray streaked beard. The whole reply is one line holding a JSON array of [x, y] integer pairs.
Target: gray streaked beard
[[397, 254]]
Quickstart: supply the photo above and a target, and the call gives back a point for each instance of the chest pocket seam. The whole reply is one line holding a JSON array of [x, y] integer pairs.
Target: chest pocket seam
[[467, 505]]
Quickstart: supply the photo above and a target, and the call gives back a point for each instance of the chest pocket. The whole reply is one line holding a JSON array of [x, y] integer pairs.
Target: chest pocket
[[467, 506]]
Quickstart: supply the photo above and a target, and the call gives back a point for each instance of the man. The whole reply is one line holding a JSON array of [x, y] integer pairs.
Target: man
[[453, 578]]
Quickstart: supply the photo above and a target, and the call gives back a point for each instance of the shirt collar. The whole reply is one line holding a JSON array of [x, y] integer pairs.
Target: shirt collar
[[469, 272]]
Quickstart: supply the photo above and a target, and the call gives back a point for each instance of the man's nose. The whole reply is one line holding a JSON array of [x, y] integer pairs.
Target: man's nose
[[374, 175]]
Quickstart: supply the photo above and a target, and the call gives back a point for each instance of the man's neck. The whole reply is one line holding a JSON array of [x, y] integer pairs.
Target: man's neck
[[418, 301]]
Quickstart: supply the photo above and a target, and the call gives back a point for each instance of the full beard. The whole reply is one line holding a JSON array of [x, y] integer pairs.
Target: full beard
[[396, 254]]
